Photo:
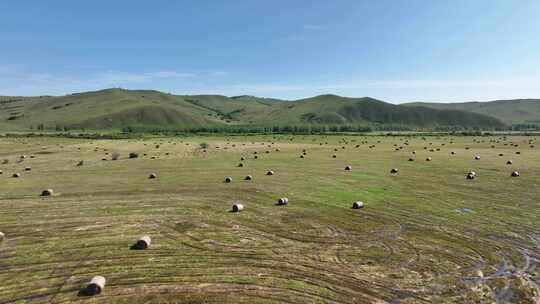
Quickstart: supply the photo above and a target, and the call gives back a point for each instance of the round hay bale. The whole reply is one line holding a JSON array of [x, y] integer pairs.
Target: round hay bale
[[348, 168], [283, 201], [477, 157], [509, 162], [47, 192], [428, 159], [515, 174], [237, 207], [358, 205], [80, 163], [96, 285], [453, 153], [28, 169], [228, 179], [501, 154], [242, 159], [240, 165], [15, 175], [152, 176], [411, 159], [471, 175], [517, 152], [270, 172], [394, 170], [248, 177], [255, 157], [302, 156], [143, 242], [2, 236], [133, 155]]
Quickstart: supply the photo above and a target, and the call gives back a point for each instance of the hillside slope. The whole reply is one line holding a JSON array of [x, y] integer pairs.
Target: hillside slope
[[516, 111], [118, 108], [332, 109], [104, 109]]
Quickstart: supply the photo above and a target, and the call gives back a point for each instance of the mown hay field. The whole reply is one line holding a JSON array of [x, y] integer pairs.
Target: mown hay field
[[426, 234]]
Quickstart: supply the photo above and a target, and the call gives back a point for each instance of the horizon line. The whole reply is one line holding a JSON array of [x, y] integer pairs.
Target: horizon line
[[265, 97]]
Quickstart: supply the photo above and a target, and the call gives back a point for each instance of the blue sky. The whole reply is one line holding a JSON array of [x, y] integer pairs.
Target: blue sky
[[394, 50]]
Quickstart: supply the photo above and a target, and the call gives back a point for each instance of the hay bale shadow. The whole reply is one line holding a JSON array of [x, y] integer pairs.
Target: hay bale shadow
[[89, 291], [139, 245]]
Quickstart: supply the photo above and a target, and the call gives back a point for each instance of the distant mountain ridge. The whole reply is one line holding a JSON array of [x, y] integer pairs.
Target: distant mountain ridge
[[118, 108], [514, 111]]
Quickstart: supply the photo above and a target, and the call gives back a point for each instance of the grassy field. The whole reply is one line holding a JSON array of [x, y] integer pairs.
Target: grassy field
[[425, 235]]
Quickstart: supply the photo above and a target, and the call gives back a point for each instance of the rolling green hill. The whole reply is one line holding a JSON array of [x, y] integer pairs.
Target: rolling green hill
[[332, 109], [516, 111], [118, 108]]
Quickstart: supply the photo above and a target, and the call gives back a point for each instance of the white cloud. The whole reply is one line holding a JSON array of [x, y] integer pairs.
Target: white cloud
[[263, 88], [425, 84], [386, 84], [122, 78], [389, 90], [16, 80], [170, 74], [219, 73]]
